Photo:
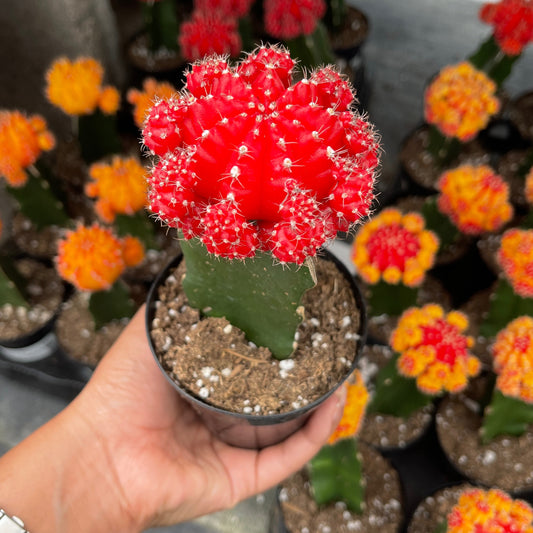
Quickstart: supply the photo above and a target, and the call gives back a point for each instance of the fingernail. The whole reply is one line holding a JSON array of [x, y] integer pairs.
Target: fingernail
[[341, 393]]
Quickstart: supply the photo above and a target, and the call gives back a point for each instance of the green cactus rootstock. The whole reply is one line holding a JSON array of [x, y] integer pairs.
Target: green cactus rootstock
[[439, 223], [313, 49], [12, 286], [505, 306], [255, 295], [336, 13], [389, 299], [38, 203], [505, 416], [336, 475], [98, 136], [395, 394], [113, 304]]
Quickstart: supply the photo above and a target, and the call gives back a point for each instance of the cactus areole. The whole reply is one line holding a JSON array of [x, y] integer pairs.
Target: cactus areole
[[250, 164]]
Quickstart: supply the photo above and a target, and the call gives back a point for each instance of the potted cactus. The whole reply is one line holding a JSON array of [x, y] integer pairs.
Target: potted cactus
[[430, 357], [257, 175], [93, 259], [392, 254], [345, 486], [492, 422], [462, 508]]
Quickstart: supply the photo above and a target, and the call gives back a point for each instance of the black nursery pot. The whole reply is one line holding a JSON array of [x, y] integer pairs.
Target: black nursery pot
[[249, 430]]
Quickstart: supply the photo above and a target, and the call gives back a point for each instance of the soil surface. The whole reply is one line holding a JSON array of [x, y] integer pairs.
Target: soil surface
[[213, 360]]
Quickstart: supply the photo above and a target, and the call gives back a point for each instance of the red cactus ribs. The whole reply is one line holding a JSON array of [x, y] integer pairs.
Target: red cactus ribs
[[248, 161]]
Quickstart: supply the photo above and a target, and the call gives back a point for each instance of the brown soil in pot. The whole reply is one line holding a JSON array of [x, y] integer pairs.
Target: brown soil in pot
[[34, 242], [149, 61], [45, 292], [509, 167], [432, 512], [521, 113], [387, 431], [352, 34], [506, 462], [383, 509], [420, 165], [213, 360]]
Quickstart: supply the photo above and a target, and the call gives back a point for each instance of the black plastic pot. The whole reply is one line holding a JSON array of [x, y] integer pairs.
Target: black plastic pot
[[249, 430]]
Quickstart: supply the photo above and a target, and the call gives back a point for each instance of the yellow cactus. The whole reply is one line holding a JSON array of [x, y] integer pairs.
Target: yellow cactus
[[489, 511], [24, 139], [460, 101], [475, 198], [515, 256], [512, 352], [394, 247], [354, 409], [76, 87], [143, 100], [434, 350], [119, 186], [92, 258]]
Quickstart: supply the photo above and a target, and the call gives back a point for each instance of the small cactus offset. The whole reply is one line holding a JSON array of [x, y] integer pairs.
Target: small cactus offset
[[26, 138], [93, 259], [513, 296], [336, 472], [510, 411], [12, 286], [488, 511], [251, 165], [433, 358], [392, 253]]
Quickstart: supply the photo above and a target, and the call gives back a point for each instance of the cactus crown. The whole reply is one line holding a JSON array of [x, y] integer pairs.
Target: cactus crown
[[394, 247], [475, 198], [76, 87], [515, 256], [209, 32], [489, 511], [119, 186], [24, 138], [287, 20], [460, 101], [143, 100], [434, 349], [513, 23], [250, 162]]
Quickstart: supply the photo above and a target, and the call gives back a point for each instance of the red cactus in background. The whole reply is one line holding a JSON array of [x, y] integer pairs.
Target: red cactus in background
[[513, 23], [289, 19], [249, 162], [209, 32]]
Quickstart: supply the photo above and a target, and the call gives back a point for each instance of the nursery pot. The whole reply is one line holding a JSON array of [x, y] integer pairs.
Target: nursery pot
[[252, 430]]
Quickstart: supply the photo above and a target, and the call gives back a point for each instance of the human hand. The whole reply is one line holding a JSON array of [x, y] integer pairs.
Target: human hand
[[163, 463]]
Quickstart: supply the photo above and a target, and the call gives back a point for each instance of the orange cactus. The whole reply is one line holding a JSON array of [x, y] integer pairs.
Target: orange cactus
[[394, 247], [76, 87], [143, 100], [354, 409], [119, 186], [460, 101], [475, 198], [434, 350], [489, 511], [24, 139], [529, 186], [515, 256], [513, 359], [92, 258]]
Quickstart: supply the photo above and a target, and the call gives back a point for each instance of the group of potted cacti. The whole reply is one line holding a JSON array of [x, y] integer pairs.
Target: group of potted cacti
[[249, 171]]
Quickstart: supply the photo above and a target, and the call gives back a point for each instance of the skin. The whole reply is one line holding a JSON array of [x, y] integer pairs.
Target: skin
[[128, 454]]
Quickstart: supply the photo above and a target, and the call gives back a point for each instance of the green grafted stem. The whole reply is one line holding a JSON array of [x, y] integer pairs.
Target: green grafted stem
[[113, 304], [443, 149], [395, 394], [162, 24], [256, 295], [439, 223], [505, 306], [336, 13], [389, 299], [312, 50], [336, 475], [137, 225], [485, 54], [505, 416], [501, 69], [12, 285], [98, 136], [442, 527], [38, 203]]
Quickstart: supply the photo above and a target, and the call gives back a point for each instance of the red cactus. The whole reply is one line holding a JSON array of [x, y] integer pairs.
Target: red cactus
[[249, 162], [289, 19], [209, 32]]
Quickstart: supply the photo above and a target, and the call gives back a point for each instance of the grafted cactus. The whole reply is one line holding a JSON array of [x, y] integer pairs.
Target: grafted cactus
[[250, 164]]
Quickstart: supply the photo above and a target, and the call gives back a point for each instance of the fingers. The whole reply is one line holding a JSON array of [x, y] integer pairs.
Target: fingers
[[276, 463]]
